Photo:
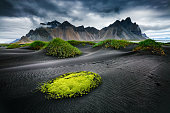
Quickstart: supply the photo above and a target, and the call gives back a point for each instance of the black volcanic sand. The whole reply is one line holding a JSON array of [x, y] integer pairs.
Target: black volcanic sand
[[131, 83]]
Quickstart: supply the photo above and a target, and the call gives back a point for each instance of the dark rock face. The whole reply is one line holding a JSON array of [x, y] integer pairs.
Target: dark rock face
[[39, 34], [92, 30], [144, 35], [52, 24], [66, 24], [79, 29], [133, 27], [124, 29]]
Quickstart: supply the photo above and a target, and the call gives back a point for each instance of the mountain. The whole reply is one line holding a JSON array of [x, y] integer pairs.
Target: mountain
[[16, 40], [52, 24], [123, 29]]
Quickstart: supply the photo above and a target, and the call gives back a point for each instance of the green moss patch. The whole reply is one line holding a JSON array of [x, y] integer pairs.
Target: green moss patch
[[167, 44], [71, 85], [25, 45], [37, 45], [149, 46], [61, 49], [12, 46], [4, 45], [83, 43], [112, 43]]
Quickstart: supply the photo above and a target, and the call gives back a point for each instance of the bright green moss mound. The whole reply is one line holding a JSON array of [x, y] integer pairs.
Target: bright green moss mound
[[150, 46], [61, 49], [37, 45], [71, 85], [83, 43], [12, 46], [112, 43]]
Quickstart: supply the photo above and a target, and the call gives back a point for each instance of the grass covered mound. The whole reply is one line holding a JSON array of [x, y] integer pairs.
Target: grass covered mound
[[71, 85], [25, 45], [37, 45], [150, 46], [14, 45], [61, 49], [4, 45], [167, 44], [112, 43], [83, 43]]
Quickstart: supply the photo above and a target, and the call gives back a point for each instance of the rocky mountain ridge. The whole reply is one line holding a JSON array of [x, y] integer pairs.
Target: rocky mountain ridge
[[123, 29]]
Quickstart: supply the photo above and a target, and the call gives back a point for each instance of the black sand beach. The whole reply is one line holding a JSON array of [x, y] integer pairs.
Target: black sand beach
[[132, 83]]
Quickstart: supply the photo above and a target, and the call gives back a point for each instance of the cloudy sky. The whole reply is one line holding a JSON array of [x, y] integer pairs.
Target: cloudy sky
[[17, 17]]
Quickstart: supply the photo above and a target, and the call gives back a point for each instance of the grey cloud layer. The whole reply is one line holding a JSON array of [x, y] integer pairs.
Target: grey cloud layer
[[41, 8]]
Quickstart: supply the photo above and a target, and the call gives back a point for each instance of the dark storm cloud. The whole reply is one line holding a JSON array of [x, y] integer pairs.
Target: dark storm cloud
[[6, 8], [16, 8], [108, 6], [38, 8]]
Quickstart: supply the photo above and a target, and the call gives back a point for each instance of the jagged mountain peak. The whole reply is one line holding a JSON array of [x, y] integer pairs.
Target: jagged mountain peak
[[51, 24], [82, 27], [128, 19], [92, 30], [55, 22], [123, 29], [66, 24], [116, 23]]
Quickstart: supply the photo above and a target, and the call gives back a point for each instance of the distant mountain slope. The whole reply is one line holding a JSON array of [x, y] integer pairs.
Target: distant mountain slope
[[124, 29], [16, 40]]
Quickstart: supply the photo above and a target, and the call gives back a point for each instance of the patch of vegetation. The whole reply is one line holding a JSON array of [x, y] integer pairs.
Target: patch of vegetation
[[4, 45], [112, 43], [83, 43], [167, 44], [150, 46], [37, 45], [71, 85], [24, 45], [14, 45], [61, 49]]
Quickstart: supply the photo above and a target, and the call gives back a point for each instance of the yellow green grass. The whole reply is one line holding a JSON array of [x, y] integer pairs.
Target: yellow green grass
[[112, 43], [71, 85], [150, 46], [61, 49]]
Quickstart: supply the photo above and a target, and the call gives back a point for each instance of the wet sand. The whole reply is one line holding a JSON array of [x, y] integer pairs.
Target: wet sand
[[132, 83]]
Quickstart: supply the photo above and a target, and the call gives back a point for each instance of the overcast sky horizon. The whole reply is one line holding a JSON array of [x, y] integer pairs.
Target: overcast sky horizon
[[17, 17]]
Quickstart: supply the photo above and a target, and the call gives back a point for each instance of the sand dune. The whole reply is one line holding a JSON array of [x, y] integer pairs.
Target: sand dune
[[131, 83]]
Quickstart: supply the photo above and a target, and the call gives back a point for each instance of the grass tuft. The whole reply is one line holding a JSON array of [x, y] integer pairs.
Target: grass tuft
[[24, 45], [71, 85], [83, 43], [61, 49], [150, 46], [37, 45], [167, 44], [14, 45], [4, 45], [112, 43]]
